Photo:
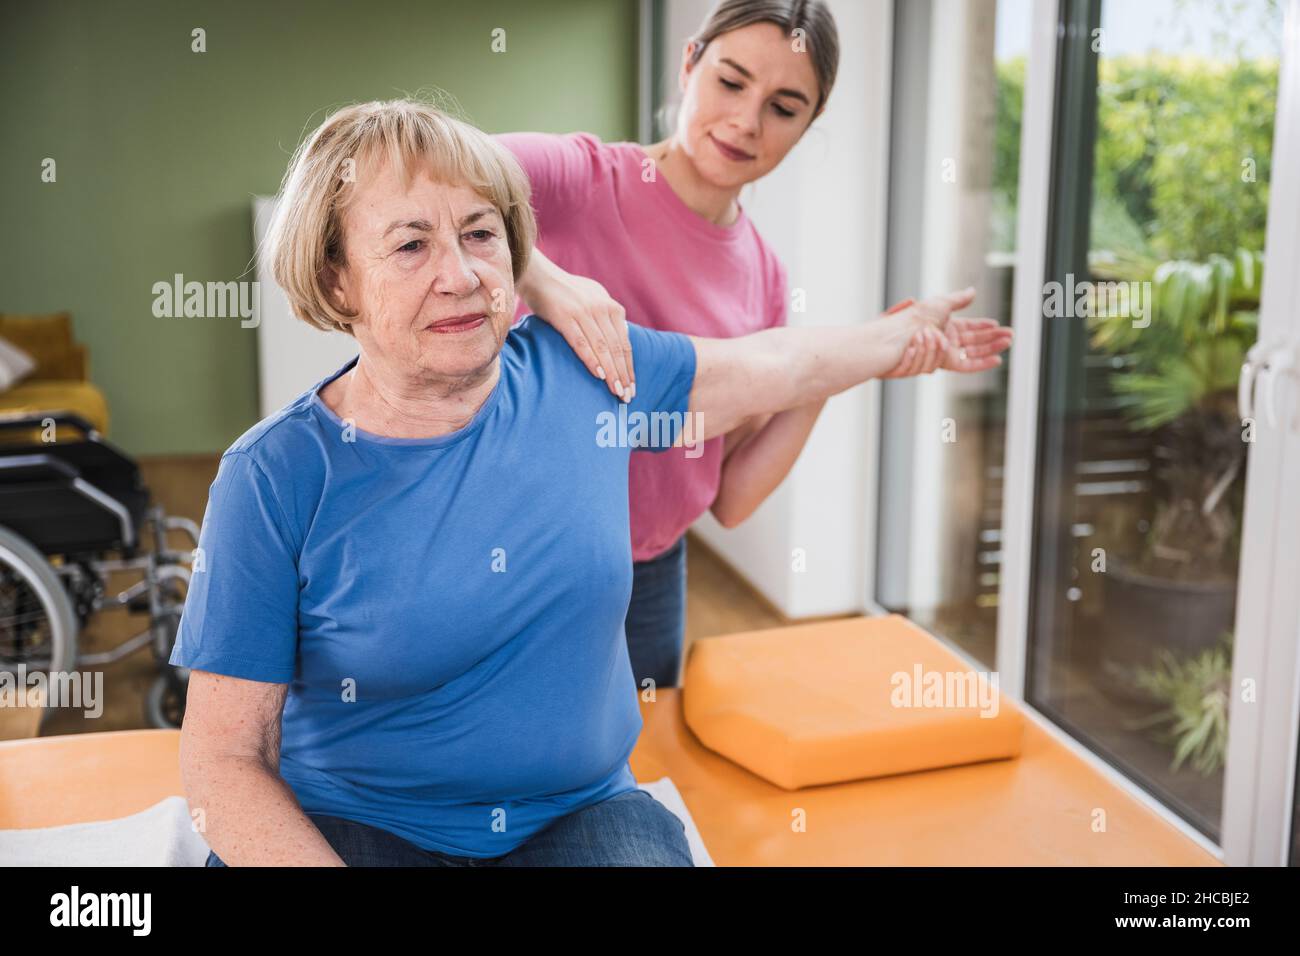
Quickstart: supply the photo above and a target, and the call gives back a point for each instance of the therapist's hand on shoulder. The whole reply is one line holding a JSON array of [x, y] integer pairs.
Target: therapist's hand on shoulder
[[591, 321]]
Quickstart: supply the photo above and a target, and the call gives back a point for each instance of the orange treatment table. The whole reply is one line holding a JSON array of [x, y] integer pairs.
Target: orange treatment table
[[1034, 809]]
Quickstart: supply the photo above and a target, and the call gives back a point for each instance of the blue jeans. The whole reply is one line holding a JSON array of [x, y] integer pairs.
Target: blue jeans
[[656, 617], [630, 829]]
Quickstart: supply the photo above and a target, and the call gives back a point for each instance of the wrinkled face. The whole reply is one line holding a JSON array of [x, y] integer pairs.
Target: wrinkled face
[[428, 273], [745, 104]]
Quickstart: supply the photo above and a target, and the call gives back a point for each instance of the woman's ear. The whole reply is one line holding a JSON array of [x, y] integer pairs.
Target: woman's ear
[[684, 74], [332, 282]]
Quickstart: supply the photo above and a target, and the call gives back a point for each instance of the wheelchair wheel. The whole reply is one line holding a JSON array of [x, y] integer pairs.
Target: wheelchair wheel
[[164, 706], [38, 624], [167, 623]]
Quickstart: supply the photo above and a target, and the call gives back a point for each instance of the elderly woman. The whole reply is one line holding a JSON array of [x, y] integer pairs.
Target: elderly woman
[[404, 625]]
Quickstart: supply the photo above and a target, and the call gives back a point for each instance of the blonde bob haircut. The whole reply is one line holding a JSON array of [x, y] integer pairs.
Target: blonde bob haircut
[[306, 234]]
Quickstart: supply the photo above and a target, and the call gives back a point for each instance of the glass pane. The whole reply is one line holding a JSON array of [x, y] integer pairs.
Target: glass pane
[[943, 437], [1142, 456]]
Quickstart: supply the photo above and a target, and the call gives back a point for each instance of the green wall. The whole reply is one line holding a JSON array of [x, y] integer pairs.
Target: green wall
[[159, 151]]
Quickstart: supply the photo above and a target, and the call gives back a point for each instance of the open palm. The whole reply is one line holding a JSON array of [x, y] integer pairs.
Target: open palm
[[955, 344]]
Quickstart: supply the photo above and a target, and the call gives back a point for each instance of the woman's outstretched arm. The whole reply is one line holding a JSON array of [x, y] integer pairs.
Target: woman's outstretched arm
[[760, 453], [778, 369]]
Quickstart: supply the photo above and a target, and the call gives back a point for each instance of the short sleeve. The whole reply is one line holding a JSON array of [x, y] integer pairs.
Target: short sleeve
[[665, 374], [241, 611], [561, 169], [779, 301]]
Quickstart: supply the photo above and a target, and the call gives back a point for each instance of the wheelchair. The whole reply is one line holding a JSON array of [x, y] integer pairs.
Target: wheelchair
[[71, 512]]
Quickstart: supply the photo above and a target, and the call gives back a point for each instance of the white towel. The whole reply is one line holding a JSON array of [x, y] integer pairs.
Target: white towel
[[162, 836], [158, 836]]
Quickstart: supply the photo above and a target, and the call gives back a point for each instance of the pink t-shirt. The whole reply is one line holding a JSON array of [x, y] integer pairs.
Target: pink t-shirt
[[670, 268]]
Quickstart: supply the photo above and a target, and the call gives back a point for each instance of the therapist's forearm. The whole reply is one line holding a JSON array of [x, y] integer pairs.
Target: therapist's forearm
[[758, 466], [540, 270], [250, 815]]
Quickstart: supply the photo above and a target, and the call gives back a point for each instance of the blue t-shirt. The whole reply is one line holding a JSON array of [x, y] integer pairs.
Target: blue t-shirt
[[447, 612]]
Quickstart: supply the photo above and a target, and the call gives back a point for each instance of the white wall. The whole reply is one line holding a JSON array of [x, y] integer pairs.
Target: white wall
[[291, 355], [832, 184]]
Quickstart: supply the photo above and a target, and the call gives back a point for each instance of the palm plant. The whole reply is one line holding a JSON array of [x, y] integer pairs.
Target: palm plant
[[1195, 693], [1177, 379]]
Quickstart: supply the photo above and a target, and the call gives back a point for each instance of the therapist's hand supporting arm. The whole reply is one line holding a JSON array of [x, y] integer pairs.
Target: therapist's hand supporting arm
[[777, 369], [230, 758]]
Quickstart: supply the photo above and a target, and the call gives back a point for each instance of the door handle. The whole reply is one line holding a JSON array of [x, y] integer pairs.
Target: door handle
[[1246, 383], [1280, 363], [1265, 364]]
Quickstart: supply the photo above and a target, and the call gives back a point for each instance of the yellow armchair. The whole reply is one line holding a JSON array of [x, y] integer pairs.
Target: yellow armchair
[[60, 380]]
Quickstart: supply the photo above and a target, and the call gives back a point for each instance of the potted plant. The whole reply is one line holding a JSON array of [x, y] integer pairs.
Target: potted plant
[[1195, 695], [1175, 590]]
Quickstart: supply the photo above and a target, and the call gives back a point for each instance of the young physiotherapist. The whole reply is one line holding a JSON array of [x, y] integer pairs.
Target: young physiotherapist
[[656, 235]]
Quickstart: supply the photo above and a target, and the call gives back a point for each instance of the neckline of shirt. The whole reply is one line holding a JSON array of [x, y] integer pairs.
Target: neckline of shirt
[[687, 216], [435, 441]]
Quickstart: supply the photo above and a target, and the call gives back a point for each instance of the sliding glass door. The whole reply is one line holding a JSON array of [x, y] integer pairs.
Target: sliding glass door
[[1162, 167], [1112, 523]]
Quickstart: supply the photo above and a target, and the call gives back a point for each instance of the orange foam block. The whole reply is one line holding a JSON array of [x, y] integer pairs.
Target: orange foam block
[[844, 700]]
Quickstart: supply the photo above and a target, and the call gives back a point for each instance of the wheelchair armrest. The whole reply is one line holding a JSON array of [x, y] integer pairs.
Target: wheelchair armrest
[[29, 467], [27, 484], [21, 420]]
